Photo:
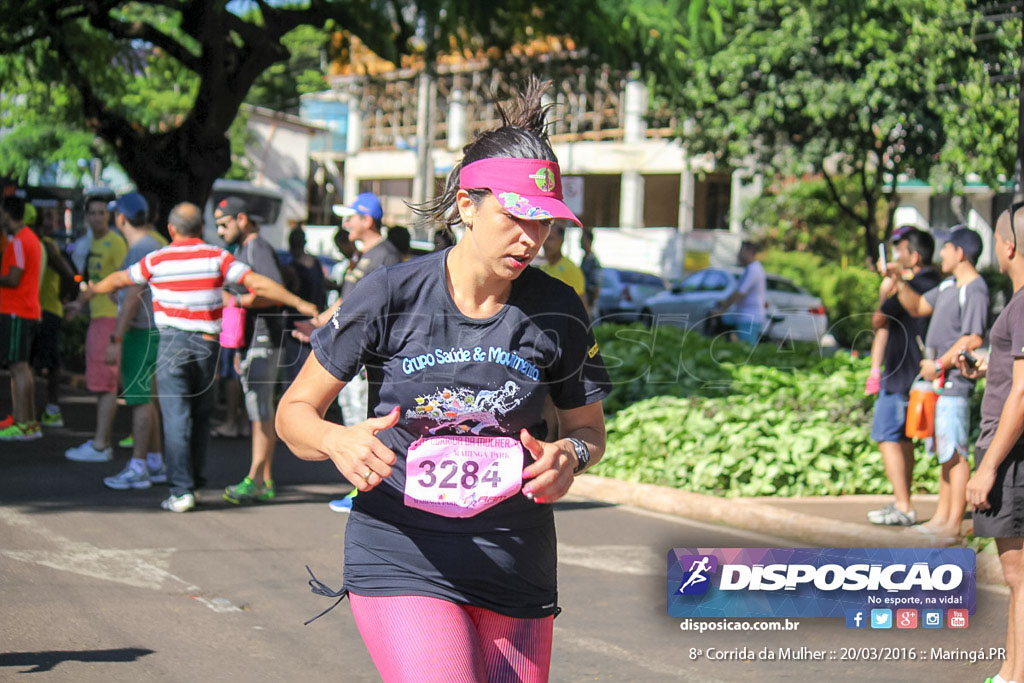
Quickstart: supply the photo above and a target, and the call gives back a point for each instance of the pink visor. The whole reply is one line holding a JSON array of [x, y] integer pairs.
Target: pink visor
[[527, 188]]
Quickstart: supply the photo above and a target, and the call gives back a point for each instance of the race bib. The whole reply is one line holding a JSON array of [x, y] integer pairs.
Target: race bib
[[460, 476]]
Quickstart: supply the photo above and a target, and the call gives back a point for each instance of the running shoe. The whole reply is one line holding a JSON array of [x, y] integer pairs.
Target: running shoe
[[891, 515], [126, 442], [246, 491], [21, 431], [157, 475], [131, 477], [344, 504], [89, 453], [182, 503], [52, 419]]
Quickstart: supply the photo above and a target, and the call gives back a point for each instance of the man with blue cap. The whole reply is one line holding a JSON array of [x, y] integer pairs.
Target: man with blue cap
[[363, 222]]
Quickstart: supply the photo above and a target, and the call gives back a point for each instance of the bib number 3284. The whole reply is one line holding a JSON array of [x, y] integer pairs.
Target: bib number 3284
[[460, 476]]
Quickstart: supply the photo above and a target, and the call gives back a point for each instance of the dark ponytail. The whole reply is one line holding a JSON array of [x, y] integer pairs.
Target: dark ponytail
[[521, 135]]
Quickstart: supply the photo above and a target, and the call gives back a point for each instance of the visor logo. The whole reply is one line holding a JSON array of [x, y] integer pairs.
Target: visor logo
[[545, 179]]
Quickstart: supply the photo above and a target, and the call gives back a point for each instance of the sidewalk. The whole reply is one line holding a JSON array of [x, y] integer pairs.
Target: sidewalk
[[829, 522]]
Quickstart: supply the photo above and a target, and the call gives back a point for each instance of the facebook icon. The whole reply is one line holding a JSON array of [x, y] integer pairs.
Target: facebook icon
[[855, 618]]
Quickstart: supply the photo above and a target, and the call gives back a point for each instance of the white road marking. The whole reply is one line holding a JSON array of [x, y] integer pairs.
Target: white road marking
[[142, 568], [636, 560], [604, 648]]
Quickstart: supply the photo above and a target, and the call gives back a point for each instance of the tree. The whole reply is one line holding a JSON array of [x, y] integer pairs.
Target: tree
[[802, 215], [838, 89], [161, 82]]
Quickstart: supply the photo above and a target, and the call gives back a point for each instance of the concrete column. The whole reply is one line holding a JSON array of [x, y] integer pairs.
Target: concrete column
[[634, 124], [631, 191], [423, 183], [354, 131], [687, 188], [457, 121], [631, 200]]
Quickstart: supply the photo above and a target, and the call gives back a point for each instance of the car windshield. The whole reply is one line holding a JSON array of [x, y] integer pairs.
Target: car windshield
[[778, 285], [633, 278]]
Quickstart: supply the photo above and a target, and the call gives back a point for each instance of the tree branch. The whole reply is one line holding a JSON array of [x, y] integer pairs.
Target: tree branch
[[836, 196], [140, 30], [99, 118]]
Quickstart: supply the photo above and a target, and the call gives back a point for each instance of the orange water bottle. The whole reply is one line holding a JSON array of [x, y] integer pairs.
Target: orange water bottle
[[921, 410]]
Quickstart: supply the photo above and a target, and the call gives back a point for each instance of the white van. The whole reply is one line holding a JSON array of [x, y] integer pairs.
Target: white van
[[266, 205]]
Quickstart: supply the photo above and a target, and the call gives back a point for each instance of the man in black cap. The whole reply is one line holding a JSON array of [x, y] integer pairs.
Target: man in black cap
[[260, 360], [913, 257], [959, 311]]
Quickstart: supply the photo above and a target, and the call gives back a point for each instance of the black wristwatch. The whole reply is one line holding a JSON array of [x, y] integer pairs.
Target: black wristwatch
[[582, 454]]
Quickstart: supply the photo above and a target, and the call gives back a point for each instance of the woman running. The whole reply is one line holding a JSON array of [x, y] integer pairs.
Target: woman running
[[450, 547]]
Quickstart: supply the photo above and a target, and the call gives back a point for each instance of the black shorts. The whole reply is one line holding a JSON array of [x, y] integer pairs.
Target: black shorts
[[16, 336], [1005, 517], [46, 345]]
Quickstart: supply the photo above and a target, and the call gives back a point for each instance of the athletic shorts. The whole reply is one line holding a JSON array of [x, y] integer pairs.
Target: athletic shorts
[[138, 363], [259, 370], [952, 425], [890, 421], [46, 345], [226, 365], [1005, 517], [99, 376], [16, 335]]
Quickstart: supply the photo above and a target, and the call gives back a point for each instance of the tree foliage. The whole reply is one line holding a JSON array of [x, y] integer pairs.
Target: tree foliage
[[850, 88], [161, 82]]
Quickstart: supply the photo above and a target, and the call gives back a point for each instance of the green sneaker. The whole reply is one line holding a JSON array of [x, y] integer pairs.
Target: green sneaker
[[246, 491], [21, 431], [127, 442], [52, 419]]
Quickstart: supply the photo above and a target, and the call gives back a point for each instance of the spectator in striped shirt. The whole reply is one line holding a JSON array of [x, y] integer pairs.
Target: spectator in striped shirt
[[186, 279]]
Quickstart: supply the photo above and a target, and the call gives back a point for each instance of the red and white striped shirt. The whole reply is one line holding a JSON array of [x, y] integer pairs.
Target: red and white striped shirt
[[186, 280]]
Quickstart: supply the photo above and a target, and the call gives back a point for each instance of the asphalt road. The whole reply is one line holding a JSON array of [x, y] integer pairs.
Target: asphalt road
[[99, 585]]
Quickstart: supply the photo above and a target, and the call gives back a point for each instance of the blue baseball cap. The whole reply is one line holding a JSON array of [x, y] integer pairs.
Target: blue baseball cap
[[134, 207], [968, 240], [366, 204]]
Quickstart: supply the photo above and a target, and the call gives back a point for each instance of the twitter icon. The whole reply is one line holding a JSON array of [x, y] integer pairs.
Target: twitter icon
[[881, 618]]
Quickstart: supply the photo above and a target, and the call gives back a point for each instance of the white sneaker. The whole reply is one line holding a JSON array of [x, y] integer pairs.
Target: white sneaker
[[89, 453], [129, 478], [182, 503]]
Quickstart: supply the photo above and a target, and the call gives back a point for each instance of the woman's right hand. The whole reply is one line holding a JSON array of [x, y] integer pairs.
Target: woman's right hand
[[357, 452]]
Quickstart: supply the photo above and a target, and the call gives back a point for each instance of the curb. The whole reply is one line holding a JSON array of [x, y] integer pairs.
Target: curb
[[760, 518]]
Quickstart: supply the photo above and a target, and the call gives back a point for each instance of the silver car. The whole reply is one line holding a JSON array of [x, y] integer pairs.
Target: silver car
[[623, 293], [793, 313]]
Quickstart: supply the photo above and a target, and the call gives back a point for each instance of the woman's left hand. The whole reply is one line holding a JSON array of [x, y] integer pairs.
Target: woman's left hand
[[551, 474]]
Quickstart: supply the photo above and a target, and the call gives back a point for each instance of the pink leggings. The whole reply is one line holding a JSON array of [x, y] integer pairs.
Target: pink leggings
[[415, 638]]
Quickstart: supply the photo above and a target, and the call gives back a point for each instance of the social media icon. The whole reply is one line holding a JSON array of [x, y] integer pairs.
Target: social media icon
[[956, 618], [881, 618], [931, 618], [856, 618], [906, 618]]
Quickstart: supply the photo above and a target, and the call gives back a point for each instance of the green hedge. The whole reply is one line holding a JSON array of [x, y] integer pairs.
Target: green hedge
[[723, 419]]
